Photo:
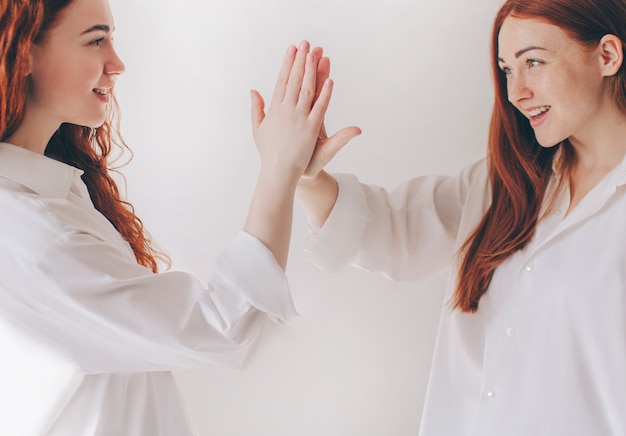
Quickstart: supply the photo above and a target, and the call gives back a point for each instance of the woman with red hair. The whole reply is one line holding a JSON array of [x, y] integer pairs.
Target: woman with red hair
[[533, 338], [90, 331]]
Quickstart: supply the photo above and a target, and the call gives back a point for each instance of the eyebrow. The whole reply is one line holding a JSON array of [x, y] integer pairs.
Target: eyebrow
[[97, 27], [524, 50]]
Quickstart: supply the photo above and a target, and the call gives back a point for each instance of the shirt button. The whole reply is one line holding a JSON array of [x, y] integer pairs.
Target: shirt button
[[530, 266], [558, 211], [510, 331], [490, 395]]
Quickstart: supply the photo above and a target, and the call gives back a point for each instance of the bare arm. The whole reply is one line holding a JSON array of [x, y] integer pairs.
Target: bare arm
[[317, 195], [285, 137]]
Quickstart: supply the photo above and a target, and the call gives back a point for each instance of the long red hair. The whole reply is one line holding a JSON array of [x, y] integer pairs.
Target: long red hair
[[520, 168], [25, 22]]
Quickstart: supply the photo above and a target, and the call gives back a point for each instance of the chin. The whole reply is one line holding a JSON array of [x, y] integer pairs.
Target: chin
[[549, 145], [549, 142], [92, 124], [94, 119]]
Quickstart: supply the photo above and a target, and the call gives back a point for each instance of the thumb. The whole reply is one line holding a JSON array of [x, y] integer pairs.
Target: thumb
[[336, 142], [327, 149], [257, 108]]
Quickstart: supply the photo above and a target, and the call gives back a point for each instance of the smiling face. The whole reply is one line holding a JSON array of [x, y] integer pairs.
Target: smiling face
[[553, 80], [73, 69]]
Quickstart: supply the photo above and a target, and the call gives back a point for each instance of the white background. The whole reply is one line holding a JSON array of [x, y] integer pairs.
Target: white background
[[414, 75]]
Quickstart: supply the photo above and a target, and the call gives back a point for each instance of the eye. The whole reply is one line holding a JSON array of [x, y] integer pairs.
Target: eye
[[97, 42], [531, 63], [506, 70]]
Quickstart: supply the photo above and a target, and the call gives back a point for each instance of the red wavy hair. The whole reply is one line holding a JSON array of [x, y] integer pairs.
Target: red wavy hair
[[25, 22], [519, 167]]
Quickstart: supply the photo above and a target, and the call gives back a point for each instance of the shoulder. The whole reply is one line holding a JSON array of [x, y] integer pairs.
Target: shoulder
[[476, 173], [25, 221], [31, 222]]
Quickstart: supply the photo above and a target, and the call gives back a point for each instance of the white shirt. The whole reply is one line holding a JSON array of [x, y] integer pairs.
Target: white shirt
[[89, 337], [545, 355]]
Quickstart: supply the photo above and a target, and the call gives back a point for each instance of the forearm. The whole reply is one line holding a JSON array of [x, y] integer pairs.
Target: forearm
[[286, 137], [318, 195], [271, 214]]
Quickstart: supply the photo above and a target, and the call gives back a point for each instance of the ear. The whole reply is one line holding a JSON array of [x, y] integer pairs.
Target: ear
[[612, 54], [30, 61]]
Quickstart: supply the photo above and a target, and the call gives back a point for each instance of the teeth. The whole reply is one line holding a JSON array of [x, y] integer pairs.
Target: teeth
[[539, 110], [101, 91]]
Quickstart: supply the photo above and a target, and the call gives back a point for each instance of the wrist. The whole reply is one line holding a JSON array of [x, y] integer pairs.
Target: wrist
[[306, 181], [279, 181]]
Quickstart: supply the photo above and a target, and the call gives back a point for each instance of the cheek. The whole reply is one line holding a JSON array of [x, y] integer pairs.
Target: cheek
[[549, 85], [60, 81], [49, 89], [582, 79], [66, 67]]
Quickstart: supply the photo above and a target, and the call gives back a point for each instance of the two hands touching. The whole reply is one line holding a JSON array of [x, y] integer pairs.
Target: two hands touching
[[294, 124], [294, 148]]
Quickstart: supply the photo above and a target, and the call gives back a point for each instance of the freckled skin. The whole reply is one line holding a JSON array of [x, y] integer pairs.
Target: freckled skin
[[559, 72]]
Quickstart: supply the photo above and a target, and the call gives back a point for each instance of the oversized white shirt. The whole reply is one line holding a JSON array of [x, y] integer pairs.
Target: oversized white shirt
[[545, 355], [88, 336]]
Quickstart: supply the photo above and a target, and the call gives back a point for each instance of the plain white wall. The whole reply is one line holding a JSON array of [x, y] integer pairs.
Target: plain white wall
[[413, 74]]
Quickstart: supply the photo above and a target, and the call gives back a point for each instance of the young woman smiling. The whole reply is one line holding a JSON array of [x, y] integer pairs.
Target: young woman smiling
[[89, 329], [533, 340]]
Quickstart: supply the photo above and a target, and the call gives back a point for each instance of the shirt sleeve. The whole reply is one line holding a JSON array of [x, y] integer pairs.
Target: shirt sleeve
[[109, 314], [406, 234]]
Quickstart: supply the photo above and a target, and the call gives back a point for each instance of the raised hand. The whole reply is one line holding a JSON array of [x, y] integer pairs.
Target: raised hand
[[317, 190], [326, 147], [286, 136]]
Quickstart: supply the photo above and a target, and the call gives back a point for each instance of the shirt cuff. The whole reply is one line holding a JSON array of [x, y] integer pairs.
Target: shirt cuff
[[335, 245], [249, 268]]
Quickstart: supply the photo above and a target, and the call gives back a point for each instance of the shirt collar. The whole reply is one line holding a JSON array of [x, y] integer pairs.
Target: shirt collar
[[37, 172]]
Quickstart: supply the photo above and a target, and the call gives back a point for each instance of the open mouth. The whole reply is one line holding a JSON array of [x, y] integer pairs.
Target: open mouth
[[537, 112], [102, 91]]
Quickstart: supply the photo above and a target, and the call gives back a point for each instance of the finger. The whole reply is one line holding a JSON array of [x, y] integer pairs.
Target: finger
[[320, 106], [257, 106], [326, 151], [283, 75], [341, 138], [307, 90], [318, 52], [323, 72], [297, 73], [322, 134], [336, 142]]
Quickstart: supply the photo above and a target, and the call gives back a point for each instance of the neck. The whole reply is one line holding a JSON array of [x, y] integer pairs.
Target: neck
[[34, 132], [603, 146]]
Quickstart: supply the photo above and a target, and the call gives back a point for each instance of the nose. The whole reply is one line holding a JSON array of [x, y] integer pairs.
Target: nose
[[114, 65], [517, 88]]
